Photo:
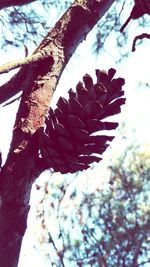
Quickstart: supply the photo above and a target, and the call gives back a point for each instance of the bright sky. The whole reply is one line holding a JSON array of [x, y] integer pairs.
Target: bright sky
[[136, 111]]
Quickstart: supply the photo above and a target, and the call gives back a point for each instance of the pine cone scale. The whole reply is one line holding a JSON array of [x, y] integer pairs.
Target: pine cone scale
[[68, 144]]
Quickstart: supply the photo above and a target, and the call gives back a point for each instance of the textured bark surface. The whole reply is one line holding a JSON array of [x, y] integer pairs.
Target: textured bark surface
[[38, 82]]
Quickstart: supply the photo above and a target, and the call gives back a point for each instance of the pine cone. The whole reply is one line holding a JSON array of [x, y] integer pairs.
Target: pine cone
[[67, 144]]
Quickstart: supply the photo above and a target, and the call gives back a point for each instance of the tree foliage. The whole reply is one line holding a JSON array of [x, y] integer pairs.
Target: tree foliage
[[27, 22], [38, 79], [107, 227]]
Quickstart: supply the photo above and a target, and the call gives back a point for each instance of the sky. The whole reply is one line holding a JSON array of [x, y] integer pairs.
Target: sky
[[135, 113]]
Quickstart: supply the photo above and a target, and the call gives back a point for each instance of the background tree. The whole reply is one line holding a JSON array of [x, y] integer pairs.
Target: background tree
[[37, 79], [102, 227]]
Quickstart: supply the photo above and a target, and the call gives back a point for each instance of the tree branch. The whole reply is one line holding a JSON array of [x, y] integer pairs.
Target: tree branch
[[38, 82], [139, 37], [97, 10], [25, 61], [60, 256], [9, 3], [143, 262], [13, 86]]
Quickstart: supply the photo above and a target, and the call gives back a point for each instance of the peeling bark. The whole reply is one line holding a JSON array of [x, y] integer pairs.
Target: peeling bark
[[38, 81]]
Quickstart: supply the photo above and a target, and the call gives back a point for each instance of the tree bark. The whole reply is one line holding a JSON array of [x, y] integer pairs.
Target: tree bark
[[38, 83]]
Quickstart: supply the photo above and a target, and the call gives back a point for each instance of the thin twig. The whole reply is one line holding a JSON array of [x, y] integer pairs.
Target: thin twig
[[12, 101], [143, 262], [139, 37], [25, 61], [58, 253]]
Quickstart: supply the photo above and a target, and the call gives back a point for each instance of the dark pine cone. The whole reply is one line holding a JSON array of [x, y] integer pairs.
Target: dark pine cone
[[67, 144]]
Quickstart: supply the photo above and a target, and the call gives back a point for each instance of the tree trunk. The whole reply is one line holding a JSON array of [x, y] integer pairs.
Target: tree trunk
[[38, 83]]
